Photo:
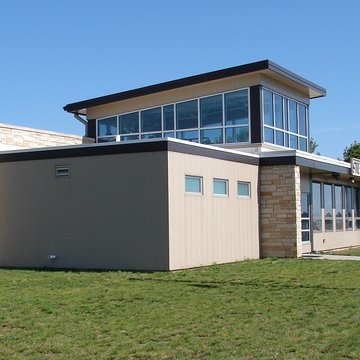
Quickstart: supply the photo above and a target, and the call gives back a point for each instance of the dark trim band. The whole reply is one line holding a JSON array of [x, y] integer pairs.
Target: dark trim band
[[300, 161], [125, 148]]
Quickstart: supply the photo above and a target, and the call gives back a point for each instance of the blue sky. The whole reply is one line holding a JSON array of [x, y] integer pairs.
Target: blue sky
[[57, 52]]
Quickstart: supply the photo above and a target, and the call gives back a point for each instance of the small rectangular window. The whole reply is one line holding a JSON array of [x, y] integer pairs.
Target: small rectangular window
[[243, 189], [220, 187], [193, 184], [62, 170]]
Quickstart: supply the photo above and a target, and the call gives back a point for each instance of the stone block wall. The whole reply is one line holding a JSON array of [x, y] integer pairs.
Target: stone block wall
[[280, 211], [17, 137]]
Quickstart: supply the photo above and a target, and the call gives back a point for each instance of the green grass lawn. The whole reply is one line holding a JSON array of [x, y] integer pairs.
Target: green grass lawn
[[353, 252], [264, 309]]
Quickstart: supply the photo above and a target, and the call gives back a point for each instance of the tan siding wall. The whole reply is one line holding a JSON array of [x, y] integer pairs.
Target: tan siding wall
[[206, 229], [17, 137], [190, 92], [111, 213], [336, 240]]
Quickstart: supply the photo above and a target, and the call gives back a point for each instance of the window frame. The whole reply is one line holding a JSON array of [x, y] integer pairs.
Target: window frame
[[201, 182], [248, 183], [332, 207], [306, 219], [226, 181], [314, 229], [346, 198], [177, 131], [339, 218], [286, 129]]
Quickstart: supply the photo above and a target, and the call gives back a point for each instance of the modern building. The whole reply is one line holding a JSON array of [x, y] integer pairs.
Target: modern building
[[207, 169]]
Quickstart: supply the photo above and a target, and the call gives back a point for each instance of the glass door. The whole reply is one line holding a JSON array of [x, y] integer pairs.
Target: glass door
[[305, 217]]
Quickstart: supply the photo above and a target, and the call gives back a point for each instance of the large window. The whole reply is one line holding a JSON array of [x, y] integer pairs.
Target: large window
[[348, 208], [339, 223], [129, 123], [305, 217], [151, 120], [328, 207], [316, 202], [357, 208], [107, 126], [342, 201], [216, 119], [211, 111], [285, 121], [187, 115]]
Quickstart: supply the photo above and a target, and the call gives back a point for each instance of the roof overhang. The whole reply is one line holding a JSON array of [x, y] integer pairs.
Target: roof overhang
[[265, 67], [315, 163]]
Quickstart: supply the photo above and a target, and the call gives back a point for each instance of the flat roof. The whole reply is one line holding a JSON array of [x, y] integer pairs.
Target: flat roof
[[318, 164], [265, 66], [129, 147]]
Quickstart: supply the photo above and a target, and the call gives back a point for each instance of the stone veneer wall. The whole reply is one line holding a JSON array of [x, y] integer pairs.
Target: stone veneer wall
[[18, 137], [280, 211]]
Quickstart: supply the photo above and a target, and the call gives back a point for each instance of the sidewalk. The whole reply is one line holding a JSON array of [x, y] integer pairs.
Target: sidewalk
[[330, 257]]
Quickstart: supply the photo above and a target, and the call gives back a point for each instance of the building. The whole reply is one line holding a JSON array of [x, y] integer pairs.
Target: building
[[208, 169], [13, 137]]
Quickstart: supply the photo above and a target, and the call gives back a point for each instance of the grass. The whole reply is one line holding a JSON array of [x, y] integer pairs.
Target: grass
[[263, 309], [350, 252]]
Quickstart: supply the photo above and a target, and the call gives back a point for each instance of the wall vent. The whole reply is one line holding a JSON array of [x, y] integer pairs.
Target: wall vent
[[62, 170]]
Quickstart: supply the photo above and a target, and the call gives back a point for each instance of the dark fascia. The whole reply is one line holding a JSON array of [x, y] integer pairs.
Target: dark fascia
[[308, 163], [124, 148], [192, 80]]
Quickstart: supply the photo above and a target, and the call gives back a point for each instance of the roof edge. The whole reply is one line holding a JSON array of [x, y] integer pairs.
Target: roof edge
[[192, 80]]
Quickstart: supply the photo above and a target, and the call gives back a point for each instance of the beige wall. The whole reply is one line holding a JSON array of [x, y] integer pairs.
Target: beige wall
[[204, 229], [18, 137], [111, 213], [191, 92], [336, 239]]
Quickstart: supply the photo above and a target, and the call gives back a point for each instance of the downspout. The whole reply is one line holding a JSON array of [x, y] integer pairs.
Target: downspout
[[83, 121]]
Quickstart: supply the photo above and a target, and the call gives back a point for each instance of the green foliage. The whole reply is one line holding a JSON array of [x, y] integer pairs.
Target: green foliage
[[352, 151], [263, 309], [313, 146]]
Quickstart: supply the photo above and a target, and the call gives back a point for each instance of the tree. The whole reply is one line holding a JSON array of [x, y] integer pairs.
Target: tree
[[352, 151], [313, 146]]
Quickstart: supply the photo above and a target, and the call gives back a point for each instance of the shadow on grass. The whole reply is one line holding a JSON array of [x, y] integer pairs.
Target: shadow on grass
[[270, 285]]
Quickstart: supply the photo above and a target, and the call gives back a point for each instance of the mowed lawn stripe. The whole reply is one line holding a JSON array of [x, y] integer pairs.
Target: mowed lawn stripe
[[263, 309]]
